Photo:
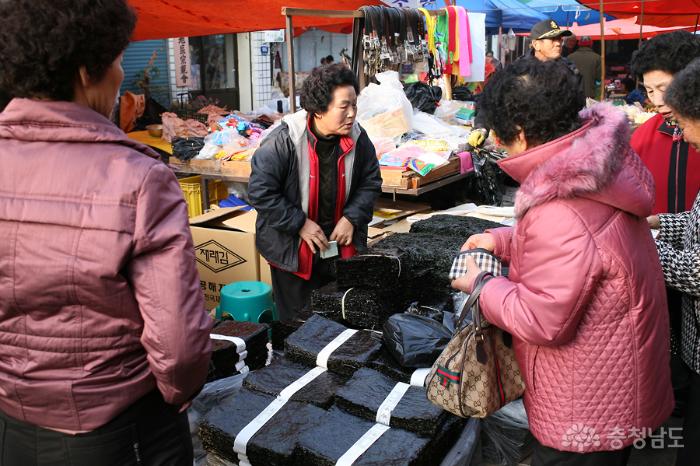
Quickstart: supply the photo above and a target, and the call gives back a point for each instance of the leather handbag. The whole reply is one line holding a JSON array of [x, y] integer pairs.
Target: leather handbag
[[477, 373]]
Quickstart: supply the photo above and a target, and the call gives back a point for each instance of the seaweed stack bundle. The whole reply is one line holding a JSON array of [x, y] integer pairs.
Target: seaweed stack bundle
[[237, 345], [452, 225], [365, 396], [306, 345], [357, 307], [341, 438], [273, 443], [280, 374]]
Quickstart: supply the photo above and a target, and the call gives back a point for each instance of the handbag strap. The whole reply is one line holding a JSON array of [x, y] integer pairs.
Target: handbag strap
[[473, 299]]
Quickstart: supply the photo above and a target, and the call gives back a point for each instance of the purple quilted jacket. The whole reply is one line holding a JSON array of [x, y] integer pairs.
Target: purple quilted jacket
[[99, 294], [585, 297]]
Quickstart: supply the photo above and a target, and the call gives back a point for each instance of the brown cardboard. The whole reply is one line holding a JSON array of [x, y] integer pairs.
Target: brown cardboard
[[224, 246]]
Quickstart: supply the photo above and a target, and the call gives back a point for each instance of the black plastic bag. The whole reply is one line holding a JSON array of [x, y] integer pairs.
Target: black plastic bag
[[423, 97], [415, 341]]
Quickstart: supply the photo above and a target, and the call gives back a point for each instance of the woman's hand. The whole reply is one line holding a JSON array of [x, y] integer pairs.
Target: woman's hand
[[483, 241], [466, 282], [343, 231], [654, 222], [313, 235]]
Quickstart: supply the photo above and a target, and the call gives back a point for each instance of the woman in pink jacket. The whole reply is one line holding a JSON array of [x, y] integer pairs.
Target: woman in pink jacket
[[103, 334], [584, 299]]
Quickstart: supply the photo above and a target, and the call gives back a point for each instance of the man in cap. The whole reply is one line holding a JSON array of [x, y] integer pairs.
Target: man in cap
[[546, 37], [588, 63]]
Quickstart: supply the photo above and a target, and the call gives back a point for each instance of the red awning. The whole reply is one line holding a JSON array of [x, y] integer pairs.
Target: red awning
[[159, 19], [663, 13], [619, 29]]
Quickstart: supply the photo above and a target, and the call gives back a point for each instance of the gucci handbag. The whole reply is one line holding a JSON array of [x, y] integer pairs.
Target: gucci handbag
[[477, 373]]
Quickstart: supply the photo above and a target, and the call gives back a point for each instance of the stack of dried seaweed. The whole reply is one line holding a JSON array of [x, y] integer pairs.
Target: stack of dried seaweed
[[305, 344], [281, 373], [357, 307], [274, 443], [364, 394], [451, 225], [339, 431], [226, 357]]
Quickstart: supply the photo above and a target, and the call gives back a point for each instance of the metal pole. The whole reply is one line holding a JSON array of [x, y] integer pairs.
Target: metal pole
[[602, 51], [290, 64], [641, 25], [500, 45]]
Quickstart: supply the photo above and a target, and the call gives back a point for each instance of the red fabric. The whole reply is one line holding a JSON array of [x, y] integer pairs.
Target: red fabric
[[306, 257], [452, 37], [159, 19], [100, 299], [585, 297], [662, 13], [655, 148]]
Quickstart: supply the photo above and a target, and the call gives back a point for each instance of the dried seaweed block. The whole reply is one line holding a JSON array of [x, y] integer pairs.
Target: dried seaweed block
[[453, 225], [363, 308], [281, 373], [385, 363], [426, 259], [305, 344], [338, 431], [369, 271], [224, 353], [366, 391], [273, 444]]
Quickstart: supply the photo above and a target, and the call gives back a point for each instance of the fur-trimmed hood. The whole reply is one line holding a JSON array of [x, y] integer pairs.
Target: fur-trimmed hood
[[595, 162]]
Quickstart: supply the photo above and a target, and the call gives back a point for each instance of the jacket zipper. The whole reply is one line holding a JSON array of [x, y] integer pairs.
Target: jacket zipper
[[678, 161]]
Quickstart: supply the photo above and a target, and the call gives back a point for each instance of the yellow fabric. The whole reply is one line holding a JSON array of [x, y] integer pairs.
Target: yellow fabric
[[144, 138], [430, 24]]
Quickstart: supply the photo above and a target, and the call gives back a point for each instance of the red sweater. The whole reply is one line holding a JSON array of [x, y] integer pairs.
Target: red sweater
[[674, 165]]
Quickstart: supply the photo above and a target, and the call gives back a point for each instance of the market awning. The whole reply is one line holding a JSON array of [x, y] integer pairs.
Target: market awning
[[566, 12], [663, 13], [509, 14], [620, 29], [160, 19]]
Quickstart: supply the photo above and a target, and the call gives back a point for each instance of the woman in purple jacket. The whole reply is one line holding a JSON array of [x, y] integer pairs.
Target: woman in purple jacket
[[103, 334], [584, 298]]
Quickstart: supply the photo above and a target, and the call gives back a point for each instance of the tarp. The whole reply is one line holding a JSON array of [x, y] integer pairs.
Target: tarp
[[620, 29], [160, 19], [509, 14], [663, 13], [566, 12]]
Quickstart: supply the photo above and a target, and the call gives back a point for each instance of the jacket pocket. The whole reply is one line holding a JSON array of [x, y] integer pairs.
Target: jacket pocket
[[531, 383]]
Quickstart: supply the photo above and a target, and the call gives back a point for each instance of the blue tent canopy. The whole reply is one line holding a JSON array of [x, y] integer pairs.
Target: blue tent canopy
[[510, 14], [565, 12]]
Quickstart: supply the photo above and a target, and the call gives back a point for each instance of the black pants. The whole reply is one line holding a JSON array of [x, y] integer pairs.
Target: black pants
[[292, 293], [545, 456], [150, 432], [690, 453]]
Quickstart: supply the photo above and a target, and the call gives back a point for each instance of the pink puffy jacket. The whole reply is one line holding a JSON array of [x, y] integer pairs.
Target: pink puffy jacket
[[585, 297], [99, 294]]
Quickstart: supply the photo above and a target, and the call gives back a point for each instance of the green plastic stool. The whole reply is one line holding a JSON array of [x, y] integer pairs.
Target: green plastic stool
[[247, 302]]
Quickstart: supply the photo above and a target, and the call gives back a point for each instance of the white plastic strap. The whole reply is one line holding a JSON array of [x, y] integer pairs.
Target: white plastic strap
[[418, 377], [240, 443], [390, 402], [242, 367], [325, 353], [239, 342], [342, 303], [362, 445]]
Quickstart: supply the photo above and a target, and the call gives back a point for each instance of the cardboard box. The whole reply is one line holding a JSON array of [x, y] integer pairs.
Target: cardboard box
[[224, 246]]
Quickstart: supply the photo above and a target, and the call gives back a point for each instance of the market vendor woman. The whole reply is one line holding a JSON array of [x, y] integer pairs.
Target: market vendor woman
[[314, 180]]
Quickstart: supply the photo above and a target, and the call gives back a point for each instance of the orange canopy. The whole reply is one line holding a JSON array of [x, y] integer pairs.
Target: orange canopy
[[663, 13], [160, 19], [619, 29]]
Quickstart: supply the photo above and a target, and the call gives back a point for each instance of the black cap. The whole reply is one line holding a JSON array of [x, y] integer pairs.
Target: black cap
[[547, 29]]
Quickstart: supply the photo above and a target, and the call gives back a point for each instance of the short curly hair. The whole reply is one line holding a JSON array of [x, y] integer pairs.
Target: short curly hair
[[667, 52], [317, 90], [540, 98], [683, 95], [43, 43]]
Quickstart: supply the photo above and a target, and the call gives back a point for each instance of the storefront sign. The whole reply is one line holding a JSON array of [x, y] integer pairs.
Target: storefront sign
[[183, 76]]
